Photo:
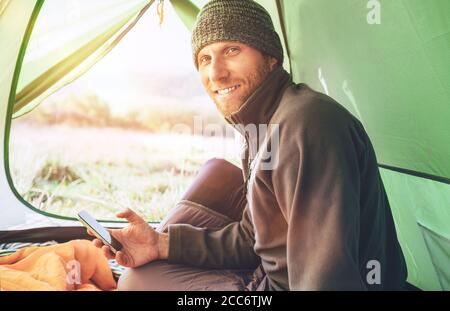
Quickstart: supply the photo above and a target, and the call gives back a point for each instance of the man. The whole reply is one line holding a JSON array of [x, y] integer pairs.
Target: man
[[316, 219]]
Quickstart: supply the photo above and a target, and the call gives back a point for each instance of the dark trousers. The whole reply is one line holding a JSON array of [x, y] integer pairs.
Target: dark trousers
[[214, 199]]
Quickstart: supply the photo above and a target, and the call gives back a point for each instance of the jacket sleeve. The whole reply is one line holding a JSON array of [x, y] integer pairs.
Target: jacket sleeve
[[317, 187], [230, 247]]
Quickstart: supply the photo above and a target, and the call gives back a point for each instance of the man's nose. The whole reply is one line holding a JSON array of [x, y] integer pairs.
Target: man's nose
[[218, 71]]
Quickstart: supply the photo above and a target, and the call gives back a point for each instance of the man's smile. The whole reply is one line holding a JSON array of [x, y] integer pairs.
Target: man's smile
[[228, 90]]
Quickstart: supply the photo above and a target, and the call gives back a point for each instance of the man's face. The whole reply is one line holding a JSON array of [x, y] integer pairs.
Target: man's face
[[231, 72]]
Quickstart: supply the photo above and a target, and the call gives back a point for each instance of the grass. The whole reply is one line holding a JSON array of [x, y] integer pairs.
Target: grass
[[61, 168]]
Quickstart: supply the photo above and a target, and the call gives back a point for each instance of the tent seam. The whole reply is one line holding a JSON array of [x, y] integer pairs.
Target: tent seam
[[440, 179], [429, 251], [284, 33]]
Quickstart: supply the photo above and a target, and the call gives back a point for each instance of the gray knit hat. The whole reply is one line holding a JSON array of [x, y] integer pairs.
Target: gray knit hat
[[244, 21]]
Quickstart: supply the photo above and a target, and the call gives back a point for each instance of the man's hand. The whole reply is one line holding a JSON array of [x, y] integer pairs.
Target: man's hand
[[141, 243]]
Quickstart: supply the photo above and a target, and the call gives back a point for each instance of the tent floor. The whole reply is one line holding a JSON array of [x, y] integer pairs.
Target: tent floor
[[44, 234]]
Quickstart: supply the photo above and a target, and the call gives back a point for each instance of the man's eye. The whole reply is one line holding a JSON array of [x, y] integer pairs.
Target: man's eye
[[203, 59], [233, 50]]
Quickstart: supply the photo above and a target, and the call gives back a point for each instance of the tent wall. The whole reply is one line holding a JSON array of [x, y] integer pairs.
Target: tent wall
[[393, 75], [13, 24], [67, 41], [187, 11], [387, 63], [16, 21]]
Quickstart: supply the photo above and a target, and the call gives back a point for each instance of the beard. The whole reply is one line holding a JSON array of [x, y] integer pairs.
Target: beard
[[247, 87]]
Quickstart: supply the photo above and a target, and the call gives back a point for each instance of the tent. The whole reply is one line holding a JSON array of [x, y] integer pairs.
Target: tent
[[387, 62]]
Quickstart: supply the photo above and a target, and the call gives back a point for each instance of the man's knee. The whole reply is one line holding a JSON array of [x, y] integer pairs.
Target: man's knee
[[159, 276], [162, 276], [219, 186], [147, 277], [129, 280]]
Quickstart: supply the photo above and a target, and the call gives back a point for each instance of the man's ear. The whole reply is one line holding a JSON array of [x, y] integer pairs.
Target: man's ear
[[273, 62]]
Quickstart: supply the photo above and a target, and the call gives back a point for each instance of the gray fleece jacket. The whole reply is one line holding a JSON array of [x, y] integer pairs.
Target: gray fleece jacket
[[318, 217]]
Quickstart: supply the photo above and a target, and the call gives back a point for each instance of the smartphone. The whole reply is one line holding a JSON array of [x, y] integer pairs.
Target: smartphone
[[99, 231]]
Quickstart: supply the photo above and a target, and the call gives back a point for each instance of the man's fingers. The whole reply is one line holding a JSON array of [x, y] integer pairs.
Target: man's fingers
[[107, 252], [117, 234], [89, 231], [97, 243], [122, 259], [105, 249], [131, 216]]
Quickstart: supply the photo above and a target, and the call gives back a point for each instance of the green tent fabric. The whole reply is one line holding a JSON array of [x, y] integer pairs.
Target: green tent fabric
[[395, 77], [51, 63], [387, 62]]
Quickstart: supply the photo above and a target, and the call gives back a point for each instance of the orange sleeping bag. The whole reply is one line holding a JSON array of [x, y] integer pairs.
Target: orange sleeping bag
[[75, 265]]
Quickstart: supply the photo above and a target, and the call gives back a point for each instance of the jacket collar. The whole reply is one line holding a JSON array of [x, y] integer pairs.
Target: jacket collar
[[261, 105]]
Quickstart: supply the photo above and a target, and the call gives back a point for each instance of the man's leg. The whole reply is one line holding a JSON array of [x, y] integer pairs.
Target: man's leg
[[162, 276], [214, 199]]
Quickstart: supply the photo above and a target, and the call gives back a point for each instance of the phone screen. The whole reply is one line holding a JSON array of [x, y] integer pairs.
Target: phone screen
[[100, 232]]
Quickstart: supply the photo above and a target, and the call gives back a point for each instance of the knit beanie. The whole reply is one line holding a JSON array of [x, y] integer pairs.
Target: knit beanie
[[243, 21]]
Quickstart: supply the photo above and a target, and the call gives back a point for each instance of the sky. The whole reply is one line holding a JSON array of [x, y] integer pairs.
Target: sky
[[159, 48], [149, 50]]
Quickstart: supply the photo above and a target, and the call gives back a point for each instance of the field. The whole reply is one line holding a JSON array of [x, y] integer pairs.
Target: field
[[61, 168]]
